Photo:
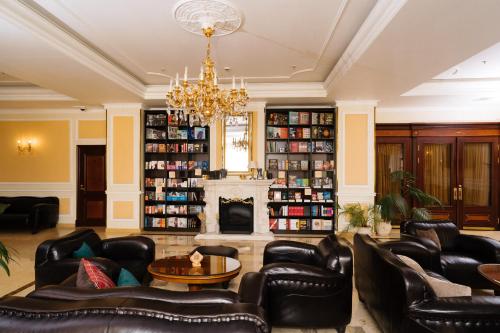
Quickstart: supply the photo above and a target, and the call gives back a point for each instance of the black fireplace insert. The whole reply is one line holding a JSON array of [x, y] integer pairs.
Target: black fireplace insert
[[236, 216]]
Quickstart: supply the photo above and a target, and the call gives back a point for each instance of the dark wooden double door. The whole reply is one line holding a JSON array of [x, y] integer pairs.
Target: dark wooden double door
[[461, 171]]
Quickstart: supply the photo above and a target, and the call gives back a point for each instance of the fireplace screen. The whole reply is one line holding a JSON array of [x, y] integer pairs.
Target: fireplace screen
[[236, 215]]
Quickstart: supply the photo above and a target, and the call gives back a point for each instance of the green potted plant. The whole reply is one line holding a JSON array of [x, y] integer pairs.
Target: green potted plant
[[394, 205], [380, 226], [358, 218], [4, 258]]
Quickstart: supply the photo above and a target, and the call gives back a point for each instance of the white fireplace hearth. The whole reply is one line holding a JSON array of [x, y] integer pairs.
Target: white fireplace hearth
[[230, 188]]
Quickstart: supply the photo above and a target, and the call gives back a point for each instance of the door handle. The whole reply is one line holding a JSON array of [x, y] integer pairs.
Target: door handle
[[460, 192], [455, 193], [82, 188]]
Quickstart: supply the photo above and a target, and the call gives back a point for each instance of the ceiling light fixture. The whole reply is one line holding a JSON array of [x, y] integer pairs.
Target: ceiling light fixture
[[204, 99]]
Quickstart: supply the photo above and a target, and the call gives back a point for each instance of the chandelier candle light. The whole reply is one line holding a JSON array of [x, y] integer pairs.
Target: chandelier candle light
[[205, 100]]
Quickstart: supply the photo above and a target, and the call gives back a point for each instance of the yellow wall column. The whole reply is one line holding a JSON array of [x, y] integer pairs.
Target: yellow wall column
[[123, 166], [355, 153]]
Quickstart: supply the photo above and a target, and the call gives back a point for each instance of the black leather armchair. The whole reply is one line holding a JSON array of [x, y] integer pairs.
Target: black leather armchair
[[34, 213], [401, 301], [59, 309], [54, 261], [459, 255], [309, 286]]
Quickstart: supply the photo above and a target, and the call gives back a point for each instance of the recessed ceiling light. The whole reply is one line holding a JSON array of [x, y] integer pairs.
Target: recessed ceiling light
[[294, 66], [484, 62], [227, 68]]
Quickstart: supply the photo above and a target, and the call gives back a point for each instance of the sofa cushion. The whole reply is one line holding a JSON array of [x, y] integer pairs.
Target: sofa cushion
[[127, 279], [429, 234], [440, 286], [3, 207], [90, 276], [85, 251]]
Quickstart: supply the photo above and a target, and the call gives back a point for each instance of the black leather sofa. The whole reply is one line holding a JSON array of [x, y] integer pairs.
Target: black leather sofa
[[459, 255], [401, 301], [31, 213], [54, 260], [309, 286], [138, 309]]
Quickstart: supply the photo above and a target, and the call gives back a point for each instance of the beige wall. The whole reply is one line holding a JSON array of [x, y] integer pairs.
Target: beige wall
[[123, 155], [92, 129], [64, 206], [49, 159], [356, 149], [123, 210]]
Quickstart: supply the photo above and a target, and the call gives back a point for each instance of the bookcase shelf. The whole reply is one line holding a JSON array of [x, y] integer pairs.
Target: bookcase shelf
[[176, 157], [300, 156]]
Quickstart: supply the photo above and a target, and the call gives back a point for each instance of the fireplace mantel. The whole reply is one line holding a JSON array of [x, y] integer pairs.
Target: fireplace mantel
[[236, 188]]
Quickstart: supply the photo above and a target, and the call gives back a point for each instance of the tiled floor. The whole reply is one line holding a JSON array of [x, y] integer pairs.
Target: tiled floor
[[23, 244]]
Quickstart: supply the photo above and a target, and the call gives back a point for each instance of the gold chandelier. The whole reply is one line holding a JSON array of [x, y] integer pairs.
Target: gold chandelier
[[204, 99], [240, 144]]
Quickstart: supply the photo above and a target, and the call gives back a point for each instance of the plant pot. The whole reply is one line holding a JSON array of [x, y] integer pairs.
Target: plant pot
[[383, 228], [363, 230]]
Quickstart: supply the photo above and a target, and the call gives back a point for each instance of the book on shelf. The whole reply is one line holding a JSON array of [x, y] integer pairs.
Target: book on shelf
[[154, 196], [154, 209], [277, 133], [322, 118], [304, 147], [282, 224], [194, 210], [194, 182], [177, 196], [273, 224], [276, 147], [304, 118], [277, 119], [154, 222], [321, 132], [324, 164], [156, 119], [154, 182], [155, 134], [321, 224], [155, 165], [177, 209], [293, 118]]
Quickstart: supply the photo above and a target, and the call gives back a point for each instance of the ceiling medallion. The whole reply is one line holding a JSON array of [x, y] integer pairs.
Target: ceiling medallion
[[195, 15], [204, 99]]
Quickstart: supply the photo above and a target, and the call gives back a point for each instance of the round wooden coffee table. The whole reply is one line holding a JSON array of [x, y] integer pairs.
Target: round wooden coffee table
[[492, 273], [178, 269]]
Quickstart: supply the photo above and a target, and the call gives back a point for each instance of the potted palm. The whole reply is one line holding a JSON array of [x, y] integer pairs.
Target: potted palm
[[358, 218], [394, 205], [4, 258], [381, 226]]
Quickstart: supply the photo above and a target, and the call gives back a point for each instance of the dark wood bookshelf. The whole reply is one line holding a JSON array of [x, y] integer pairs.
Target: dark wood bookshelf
[[163, 151], [296, 137]]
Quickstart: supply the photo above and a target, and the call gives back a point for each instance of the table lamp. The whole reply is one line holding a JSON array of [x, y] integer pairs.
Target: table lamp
[[252, 166]]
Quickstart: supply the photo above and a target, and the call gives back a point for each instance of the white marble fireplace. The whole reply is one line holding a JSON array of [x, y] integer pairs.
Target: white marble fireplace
[[230, 188]]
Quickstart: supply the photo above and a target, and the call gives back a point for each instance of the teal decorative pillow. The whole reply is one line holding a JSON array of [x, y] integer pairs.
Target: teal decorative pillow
[[127, 279], [85, 251], [3, 207]]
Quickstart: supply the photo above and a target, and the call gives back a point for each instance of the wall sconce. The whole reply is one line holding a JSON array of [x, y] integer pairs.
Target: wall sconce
[[23, 146]]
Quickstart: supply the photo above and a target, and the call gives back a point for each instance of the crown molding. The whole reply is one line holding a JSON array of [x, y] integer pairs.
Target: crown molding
[[368, 102], [382, 13], [30, 93], [25, 15], [257, 90], [123, 106]]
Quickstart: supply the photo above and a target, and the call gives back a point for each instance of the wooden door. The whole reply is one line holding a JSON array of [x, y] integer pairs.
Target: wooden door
[[437, 174], [477, 188], [91, 198]]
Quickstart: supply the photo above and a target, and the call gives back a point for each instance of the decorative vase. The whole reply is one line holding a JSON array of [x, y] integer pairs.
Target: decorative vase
[[196, 259], [383, 228]]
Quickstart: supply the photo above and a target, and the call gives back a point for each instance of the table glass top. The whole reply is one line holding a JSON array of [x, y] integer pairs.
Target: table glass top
[[491, 272], [182, 266]]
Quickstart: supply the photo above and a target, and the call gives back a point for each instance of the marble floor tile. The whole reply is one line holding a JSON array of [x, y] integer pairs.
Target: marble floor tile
[[23, 245]]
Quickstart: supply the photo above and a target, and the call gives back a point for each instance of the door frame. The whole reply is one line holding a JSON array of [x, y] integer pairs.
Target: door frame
[[79, 207]]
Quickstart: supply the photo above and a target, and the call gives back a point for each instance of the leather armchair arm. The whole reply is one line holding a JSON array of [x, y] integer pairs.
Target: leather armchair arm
[[43, 214], [292, 252], [442, 314], [418, 252], [129, 248], [482, 247], [253, 289], [178, 297], [303, 279]]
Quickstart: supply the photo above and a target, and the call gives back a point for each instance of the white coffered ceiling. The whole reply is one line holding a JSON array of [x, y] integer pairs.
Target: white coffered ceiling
[[405, 54]]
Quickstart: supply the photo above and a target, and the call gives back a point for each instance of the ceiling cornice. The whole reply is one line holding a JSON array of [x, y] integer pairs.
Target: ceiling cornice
[[24, 14], [257, 90], [20, 93], [381, 14]]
